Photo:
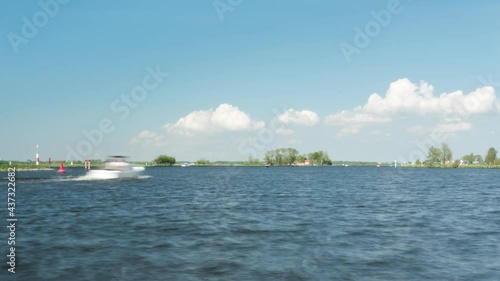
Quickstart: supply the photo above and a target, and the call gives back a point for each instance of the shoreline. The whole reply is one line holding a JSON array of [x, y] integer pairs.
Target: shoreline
[[32, 169], [2, 169]]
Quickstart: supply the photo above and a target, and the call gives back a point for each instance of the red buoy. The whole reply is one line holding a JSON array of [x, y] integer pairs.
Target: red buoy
[[61, 168]]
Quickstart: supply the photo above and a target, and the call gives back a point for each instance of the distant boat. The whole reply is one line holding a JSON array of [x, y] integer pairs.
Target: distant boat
[[185, 165], [267, 165], [116, 167]]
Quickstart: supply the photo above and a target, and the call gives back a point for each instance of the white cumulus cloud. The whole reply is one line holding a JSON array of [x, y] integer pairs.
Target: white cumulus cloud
[[284, 132], [357, 117], [452, 127], [301, 118], [225, 117], [147, 134], [349, 131], [405, 98], [148, 138]]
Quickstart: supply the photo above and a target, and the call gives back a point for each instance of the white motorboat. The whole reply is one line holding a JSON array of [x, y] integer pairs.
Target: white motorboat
[[114, 168], [185, 165]]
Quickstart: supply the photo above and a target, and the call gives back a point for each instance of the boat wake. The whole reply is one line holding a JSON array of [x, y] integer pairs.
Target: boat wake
[[86, 177], [71, 178], [90, 177]]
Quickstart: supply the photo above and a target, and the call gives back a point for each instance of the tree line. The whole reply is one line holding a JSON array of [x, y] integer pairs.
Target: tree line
[[165, 160], [443, 155], [290, 156]]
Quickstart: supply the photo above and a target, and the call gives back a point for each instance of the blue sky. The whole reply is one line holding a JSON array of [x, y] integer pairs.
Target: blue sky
[[245, 77]]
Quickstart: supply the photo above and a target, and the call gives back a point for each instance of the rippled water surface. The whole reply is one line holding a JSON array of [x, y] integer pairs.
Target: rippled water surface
[[255, 223]]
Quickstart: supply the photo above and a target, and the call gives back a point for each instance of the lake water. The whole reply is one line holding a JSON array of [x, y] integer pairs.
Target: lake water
[[256, 223]]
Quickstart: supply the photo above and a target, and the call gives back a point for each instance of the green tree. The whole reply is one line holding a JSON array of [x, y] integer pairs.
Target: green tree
[[202, 161], [300, 158], [278, 155], [252, 161], [433, 156], [290, 155], [326, 159], [281, 156], [491, 156], [165, 160], [320, 158], [446, 153], [469, 158], [269, 158], [478, 158], [314, 157]]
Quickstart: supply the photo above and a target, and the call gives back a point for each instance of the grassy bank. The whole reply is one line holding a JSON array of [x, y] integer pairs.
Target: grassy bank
[[453, 167]]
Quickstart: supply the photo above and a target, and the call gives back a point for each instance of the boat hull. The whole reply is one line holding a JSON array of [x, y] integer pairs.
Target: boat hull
[[114, 174]]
